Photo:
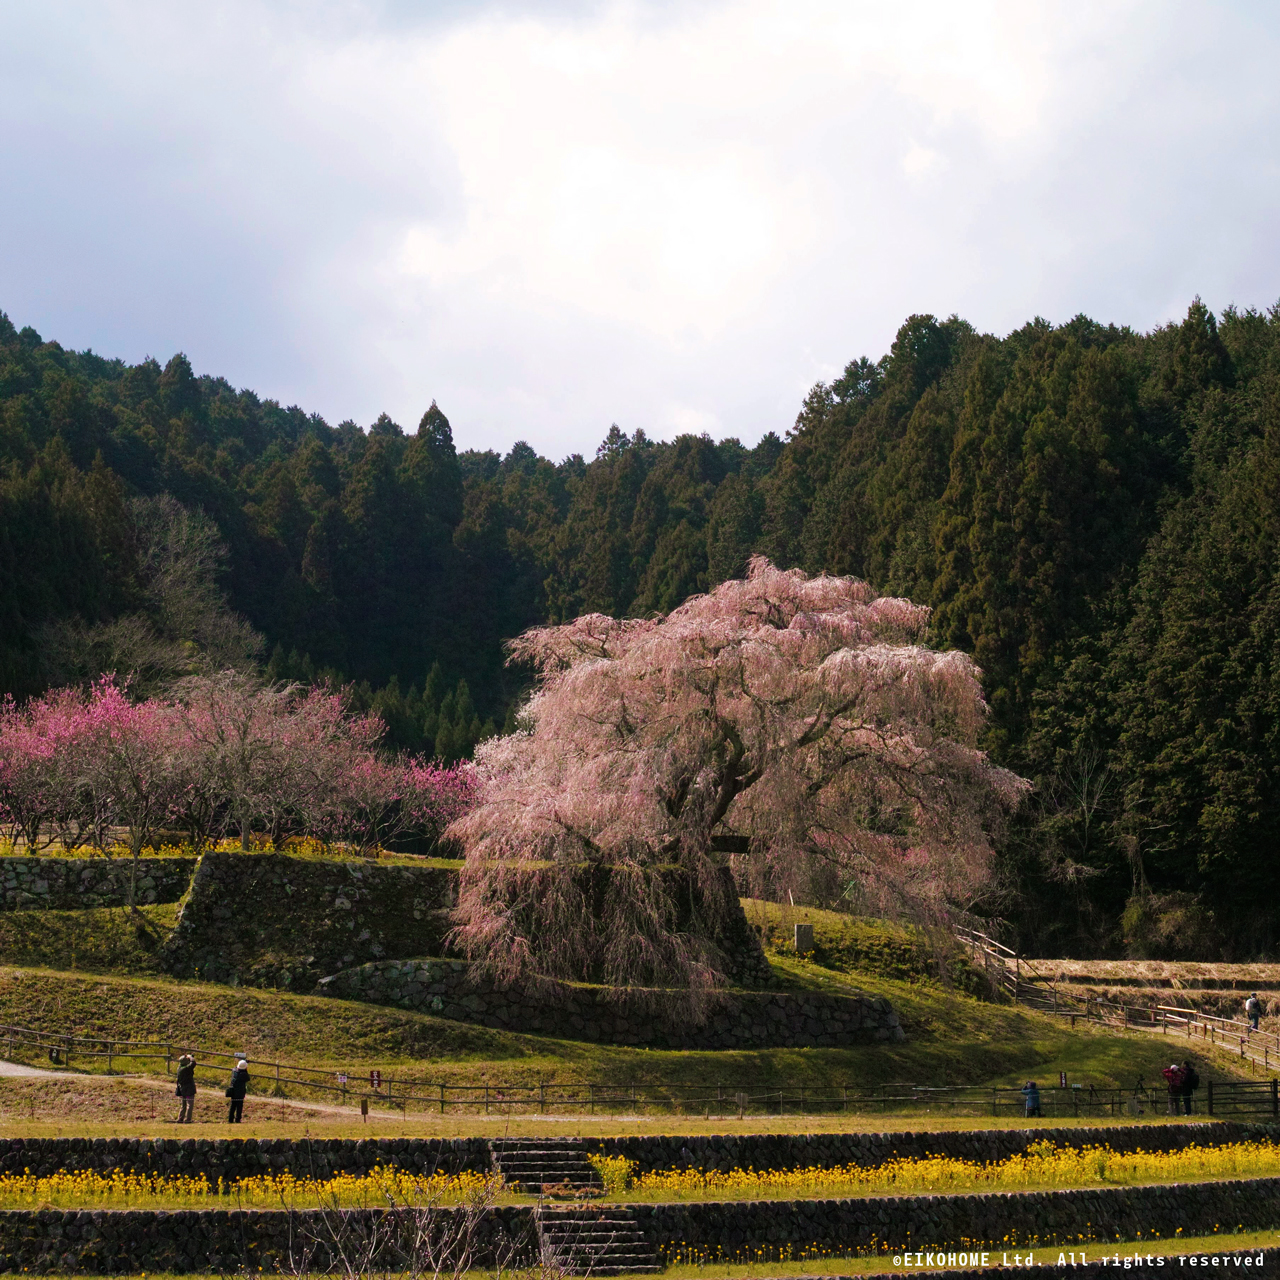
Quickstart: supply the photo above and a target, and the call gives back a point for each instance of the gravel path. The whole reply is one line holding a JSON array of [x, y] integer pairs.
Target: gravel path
[[20, 1069]]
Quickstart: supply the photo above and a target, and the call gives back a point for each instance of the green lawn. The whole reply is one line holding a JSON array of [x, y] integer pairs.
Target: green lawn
[[96, 940], [952, 1039]]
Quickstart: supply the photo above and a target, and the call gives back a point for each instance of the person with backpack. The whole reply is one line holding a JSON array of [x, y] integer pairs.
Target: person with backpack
[[1253, 1009], [1190, 1083]]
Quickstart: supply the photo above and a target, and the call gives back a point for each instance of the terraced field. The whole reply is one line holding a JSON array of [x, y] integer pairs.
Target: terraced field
[[1149, 1190]]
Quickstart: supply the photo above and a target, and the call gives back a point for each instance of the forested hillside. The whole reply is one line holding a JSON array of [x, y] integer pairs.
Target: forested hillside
[[1092, 512]]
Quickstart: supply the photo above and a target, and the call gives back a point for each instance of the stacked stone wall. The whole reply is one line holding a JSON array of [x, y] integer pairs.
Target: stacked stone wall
[[772, 1229], [73, 884], [764, 1151], [236, 1158], [739, 1020], [271, 920], [228, 1242]]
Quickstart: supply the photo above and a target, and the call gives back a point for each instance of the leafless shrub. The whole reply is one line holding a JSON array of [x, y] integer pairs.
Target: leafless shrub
[[413, 1236]]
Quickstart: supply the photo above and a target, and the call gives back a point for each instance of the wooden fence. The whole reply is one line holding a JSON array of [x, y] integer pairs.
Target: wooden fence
[[407, 1094]]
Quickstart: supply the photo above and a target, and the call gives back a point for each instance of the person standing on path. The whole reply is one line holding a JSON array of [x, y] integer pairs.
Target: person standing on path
[[1253, 1007], [1190, 1083], [1173, 1074], [187, 1088], [236, 1090]]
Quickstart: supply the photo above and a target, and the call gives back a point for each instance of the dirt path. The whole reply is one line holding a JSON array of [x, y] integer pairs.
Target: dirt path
[[151, 1082], [21, 1069]]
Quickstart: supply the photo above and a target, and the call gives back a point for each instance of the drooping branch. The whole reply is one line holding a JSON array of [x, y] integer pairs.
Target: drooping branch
[[804, 715]]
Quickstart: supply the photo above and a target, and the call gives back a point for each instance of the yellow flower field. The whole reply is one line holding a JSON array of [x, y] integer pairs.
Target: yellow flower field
[[1042, 1166], [66, 1190]]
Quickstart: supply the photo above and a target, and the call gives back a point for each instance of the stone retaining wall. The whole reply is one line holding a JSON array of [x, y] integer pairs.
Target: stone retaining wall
[[749, 1228], [72, 884], [742, 1020], [231, 1158], [271, 920], [102, 1242], [226, 1242], [765, 1151], [242, 1157]]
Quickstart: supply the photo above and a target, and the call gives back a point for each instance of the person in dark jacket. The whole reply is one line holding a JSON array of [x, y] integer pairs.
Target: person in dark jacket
[[187, 1088], [1031, 1092], [1190, 1083], [236, 1090]]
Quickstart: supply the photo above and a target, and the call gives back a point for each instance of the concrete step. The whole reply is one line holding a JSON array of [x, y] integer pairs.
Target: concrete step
[[597, 1241]]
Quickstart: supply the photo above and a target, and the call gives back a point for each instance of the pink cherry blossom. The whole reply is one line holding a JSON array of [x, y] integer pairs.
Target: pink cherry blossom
[[800, 721]]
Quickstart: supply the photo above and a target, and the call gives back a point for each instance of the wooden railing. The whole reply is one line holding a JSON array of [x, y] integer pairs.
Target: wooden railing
[[405, 1094], [1024, 984]]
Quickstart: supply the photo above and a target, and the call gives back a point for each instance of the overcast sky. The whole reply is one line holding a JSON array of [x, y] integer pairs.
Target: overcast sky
[[675, 216]]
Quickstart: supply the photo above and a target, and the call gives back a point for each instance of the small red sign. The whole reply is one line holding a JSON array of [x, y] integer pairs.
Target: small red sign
[[375, 1079]]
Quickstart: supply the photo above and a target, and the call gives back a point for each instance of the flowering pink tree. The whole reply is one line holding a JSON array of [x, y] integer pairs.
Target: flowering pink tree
[[41, 750], [76, 766], [266, 757], [800, 722], [282, 759], [376, 801]]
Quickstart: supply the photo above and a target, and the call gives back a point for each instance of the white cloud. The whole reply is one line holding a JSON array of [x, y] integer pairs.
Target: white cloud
[[675, 217]]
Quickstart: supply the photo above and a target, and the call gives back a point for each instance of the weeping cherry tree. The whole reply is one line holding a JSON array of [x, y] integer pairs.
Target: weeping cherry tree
[[796, 727]]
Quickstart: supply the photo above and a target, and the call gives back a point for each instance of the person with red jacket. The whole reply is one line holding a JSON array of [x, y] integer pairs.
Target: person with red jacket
[[1174, 1075]]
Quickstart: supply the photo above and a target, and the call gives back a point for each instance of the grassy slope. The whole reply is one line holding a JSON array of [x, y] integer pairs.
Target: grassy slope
[[119, 1106], [849, 943], [101, 940], [952, 1039]]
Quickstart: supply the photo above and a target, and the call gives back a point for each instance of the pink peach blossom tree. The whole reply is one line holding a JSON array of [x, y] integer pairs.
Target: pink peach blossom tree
[[799, 727], [76, 766], [228, 754]]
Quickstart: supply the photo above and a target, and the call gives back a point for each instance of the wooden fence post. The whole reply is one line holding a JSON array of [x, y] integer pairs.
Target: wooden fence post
[[1211, 1097], [1275, 1097]]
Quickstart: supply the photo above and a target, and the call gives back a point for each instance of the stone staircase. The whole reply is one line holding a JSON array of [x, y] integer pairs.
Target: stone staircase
[[595, 1240], [530, 1164]]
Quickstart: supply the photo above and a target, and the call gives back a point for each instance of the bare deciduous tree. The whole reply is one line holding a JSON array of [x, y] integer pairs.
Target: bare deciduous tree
[[183, 625]]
